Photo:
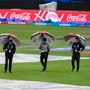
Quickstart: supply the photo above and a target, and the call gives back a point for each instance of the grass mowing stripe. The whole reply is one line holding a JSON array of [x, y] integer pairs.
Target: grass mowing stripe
[[57, 72]]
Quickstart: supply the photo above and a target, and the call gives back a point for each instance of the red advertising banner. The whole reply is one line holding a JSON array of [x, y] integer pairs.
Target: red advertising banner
[[38, 15]]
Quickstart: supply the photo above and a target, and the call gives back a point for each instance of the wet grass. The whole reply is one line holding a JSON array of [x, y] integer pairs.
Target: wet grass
[[23, 32], [57, 71]]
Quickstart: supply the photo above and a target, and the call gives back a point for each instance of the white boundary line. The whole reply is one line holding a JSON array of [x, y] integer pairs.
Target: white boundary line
[[18, 58], [33, 85]]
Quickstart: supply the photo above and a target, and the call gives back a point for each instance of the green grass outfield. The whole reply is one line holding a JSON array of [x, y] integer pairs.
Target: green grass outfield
[[57, 71]]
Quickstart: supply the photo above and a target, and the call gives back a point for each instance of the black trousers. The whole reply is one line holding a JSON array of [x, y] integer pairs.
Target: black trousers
[[75, 57], [8, 61], [43, 59]]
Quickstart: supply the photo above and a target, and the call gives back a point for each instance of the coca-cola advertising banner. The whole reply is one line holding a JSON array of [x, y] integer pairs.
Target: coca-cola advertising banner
[[54, 16]]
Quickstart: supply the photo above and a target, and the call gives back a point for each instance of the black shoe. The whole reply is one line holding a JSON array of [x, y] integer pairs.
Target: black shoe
[[10, 71], [72, 70], [44, 69]]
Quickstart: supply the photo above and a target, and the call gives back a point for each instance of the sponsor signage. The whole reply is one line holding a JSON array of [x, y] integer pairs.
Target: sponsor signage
[[40, 15]]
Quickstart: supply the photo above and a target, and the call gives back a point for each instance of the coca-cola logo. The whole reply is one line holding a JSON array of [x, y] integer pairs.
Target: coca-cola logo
[[21, 16], [78, 18]]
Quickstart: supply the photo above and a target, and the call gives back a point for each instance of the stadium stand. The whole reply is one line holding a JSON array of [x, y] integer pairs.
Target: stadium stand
[[34, 4]]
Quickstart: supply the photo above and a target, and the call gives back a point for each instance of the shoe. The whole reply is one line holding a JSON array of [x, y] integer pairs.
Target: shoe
[[72, 70], [10, 71], [44, 69]]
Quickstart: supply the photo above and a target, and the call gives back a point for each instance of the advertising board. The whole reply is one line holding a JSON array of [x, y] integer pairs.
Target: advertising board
[[28, 16]]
